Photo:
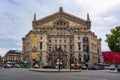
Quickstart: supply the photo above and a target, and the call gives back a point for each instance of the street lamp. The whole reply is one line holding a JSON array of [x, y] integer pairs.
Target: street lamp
[[70, 56], [58, 52], [59, 58], [70, 47]]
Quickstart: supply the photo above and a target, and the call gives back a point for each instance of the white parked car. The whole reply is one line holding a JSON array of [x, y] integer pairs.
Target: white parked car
[[111, 67], [7, 66], [36, 66]]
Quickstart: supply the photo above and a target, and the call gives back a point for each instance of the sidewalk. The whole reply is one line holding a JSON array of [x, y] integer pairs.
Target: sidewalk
[[54, 70]]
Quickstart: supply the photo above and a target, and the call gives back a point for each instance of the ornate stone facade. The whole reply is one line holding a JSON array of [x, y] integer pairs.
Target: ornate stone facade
[[72, 35], [13, 56]]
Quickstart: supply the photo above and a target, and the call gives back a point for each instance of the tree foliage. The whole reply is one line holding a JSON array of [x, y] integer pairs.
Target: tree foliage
[[113, 39], [0, 56]]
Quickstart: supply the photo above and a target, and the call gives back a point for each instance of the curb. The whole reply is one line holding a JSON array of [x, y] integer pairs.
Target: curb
[[51, 71]]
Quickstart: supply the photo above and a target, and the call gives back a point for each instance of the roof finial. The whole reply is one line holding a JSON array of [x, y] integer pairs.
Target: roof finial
[[60, 9], [34, 16], [88, 17]]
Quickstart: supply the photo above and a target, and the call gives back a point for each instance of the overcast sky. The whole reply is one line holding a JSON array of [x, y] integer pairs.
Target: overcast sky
[[16, 17]]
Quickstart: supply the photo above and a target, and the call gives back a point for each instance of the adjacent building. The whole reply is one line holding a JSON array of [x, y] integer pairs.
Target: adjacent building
[[13, 56], [61, 38], [1, 62]]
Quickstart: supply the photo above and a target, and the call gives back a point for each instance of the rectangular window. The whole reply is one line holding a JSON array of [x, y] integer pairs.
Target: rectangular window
[[55, 46], [40, 45], [78, 38], [79, 60], [98, 51], [60, 46], [55, 41], [70, 46], [50, 41], [64, 41], [65, 47], [79, 47], [41, 37], [49, 48], [60, 41]]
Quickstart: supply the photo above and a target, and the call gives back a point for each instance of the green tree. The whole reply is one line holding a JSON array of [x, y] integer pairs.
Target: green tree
[[0, 57], [113, 39]]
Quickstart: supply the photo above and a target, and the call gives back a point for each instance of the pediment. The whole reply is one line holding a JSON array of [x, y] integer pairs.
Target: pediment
[[60, 15]]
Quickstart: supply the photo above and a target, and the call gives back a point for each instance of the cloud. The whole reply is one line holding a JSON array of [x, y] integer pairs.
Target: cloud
[[3, 51], [105, 21], [7, 43], [97, 6]]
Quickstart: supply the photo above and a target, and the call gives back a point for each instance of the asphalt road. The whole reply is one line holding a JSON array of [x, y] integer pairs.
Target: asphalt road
[[24, 74]]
